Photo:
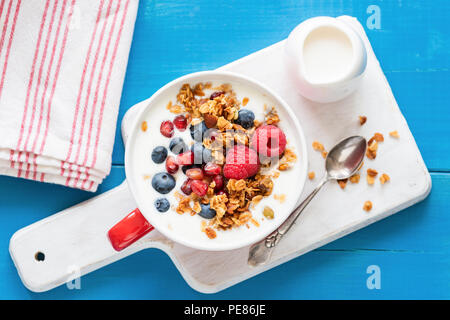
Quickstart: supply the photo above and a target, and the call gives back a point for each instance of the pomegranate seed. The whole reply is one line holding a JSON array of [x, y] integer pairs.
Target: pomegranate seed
[[219, 182], [216, 94], [171, 165], [166, 128], [186, 187], [180, 122], [213, 134], [185, 158], [212, 169], [195, 173], [221, 192], [199, 187]]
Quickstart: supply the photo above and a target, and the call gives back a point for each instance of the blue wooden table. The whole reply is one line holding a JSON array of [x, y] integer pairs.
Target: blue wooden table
[[175, 37]]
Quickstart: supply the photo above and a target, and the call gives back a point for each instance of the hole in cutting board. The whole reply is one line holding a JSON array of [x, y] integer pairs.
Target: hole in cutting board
[[39, 256]]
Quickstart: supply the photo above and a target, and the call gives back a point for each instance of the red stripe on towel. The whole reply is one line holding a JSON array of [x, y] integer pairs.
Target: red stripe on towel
[[38, 85], [46, 82], [97, 89], [5, 26], [30, 82], [1, 7], [105, 91], [8, 49], [80, 91], [89, 88], [58, 67]]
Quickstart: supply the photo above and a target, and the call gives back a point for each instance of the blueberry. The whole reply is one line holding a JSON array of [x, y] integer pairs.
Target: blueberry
[[206, 211], [177, 145], [163, 182], [245, 118], [198, 131], [185, 168], [162, 204], [207, 156], [201, 154], [159, 154]]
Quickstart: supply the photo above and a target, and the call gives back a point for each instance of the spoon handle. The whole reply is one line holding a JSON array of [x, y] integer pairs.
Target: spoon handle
[[261, 251]]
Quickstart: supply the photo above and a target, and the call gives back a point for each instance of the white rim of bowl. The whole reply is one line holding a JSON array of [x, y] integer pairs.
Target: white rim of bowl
[[135, 129]]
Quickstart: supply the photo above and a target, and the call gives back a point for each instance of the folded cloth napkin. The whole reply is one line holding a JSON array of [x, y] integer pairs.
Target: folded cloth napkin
[[62, 66]]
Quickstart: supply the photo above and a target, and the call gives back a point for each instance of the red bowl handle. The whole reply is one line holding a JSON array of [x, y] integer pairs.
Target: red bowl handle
[[128, 230]]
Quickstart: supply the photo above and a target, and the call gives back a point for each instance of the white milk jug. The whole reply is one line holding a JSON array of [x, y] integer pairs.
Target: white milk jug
[[326, 59]]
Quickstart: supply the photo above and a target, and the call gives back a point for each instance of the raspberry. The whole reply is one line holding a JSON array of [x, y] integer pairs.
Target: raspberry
[[185, 158], [212, 169], [241, 163], [199, 187], [180, 122], [269, 141], [171, 165], [166, 128]]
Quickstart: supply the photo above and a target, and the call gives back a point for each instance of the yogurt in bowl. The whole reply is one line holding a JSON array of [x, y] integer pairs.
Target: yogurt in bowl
[[189, 227]]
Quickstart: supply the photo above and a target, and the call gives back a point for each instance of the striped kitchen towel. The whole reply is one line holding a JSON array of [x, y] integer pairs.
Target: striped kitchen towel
[[62, 66]]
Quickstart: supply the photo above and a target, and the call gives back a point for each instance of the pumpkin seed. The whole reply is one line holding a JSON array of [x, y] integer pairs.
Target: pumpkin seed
[[268, 212]]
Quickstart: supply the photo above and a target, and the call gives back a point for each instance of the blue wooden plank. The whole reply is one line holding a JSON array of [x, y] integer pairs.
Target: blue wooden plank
[[424, 98], [175, 37], [419, 228], [412, 249], [316, 275]]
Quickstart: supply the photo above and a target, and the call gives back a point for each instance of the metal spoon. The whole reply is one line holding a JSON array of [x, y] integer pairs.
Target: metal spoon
[[341, 163]]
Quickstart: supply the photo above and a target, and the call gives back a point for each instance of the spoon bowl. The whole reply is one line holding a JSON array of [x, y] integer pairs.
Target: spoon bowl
[[345, 158]]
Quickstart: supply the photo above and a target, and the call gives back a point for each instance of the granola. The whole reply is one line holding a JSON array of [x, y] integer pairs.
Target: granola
[[362, 120], [372, 145], [287, 160], [219, 112], [144, 126], [355, 178], [394, 134], [371, 174], [342, 183], [367, 206], [280, 197], [318, 146], [384, 178]]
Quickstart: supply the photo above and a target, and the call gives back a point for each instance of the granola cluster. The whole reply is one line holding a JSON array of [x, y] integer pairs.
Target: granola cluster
[[219, 111], [224, 105], [233, 207], [287, 160]]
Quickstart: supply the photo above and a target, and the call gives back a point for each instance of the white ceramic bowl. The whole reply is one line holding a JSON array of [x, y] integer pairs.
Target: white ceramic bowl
[[185, 229]]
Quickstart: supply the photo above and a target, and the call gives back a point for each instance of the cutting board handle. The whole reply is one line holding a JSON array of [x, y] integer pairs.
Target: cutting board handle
[[75, 241]]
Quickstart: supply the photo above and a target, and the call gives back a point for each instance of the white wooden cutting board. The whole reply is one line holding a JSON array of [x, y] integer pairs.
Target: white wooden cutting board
[[75, 240]]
